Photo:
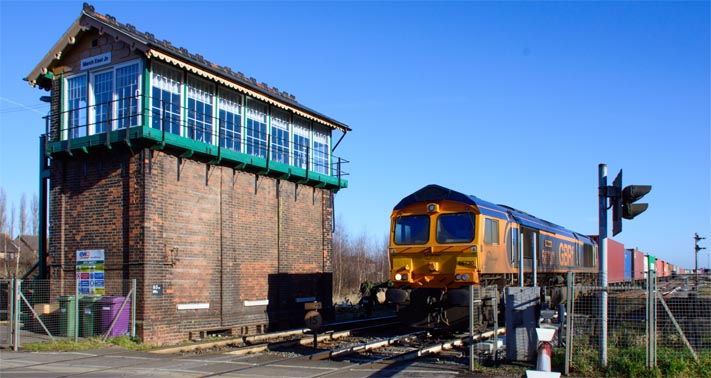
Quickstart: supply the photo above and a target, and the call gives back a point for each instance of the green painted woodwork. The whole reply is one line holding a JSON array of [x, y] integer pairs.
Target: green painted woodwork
[[156, 139]]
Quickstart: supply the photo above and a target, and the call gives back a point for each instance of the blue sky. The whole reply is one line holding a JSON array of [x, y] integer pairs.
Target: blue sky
[[514, 102]]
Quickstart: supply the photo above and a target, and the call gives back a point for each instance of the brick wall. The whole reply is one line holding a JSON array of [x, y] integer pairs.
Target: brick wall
[[218, 240]]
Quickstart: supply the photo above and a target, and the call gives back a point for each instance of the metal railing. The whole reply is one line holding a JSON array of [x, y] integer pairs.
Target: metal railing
[[120, 115], [52, 310], [668, 317]]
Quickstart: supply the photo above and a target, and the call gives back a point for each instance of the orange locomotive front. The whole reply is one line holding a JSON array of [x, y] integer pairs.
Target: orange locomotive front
[[442, 241]]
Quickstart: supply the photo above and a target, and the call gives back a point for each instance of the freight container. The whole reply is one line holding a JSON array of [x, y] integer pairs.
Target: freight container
[[615, 261], [659, 268], [647, 265], [638, 264], [628, 265]]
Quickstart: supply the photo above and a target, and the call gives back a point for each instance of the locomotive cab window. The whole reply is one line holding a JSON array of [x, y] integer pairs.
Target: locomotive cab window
[[455, 228], [491, 231], [413, 229]]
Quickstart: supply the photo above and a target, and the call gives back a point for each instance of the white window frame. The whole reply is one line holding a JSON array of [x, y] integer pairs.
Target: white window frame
[[201, 91], [68, 133], [135, 96], [93, 122], [321, 135], [301, 128], [225, 102], [279, 121], [253, 142], [166, 85]]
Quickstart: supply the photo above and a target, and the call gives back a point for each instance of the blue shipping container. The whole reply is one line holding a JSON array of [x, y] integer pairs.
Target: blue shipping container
[[628, 265]]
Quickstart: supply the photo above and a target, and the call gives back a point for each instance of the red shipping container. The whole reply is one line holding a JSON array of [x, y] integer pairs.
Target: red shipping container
[[659, 268], [615, 261], [637, 264]]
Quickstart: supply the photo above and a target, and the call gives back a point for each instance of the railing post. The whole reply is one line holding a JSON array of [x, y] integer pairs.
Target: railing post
[[496, 322], [16, 315], [162, 118], [602, 243], [11, 311], [570, 279], [471, 327], [133, 307], [339, 173]]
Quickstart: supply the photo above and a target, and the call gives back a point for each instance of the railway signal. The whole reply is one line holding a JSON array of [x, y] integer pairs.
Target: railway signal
[[624, 201], [697, 248]]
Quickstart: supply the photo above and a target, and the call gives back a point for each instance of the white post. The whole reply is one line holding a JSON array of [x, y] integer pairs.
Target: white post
[[602, 222]]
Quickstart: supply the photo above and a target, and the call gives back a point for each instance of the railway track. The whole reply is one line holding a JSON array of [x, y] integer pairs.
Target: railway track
[[355, 352]]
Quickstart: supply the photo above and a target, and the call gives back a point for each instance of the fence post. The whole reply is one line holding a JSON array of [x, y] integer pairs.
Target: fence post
[[651, 323], [654, 318], [133, 308], [648, 320], [76, 309], [602, 249], [15, 313], [569, 323], [496, 322], [471, 327], [10, 313]]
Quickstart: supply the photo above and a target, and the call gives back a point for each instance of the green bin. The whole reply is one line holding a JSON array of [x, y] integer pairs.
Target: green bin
[[67, 315], [90, 315]]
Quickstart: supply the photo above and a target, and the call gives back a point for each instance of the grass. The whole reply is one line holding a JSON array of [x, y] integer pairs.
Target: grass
[[630, 362], [124, 342]]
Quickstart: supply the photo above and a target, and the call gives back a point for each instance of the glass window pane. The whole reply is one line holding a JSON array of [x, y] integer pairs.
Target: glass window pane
[[256, 130], [280, 136], [455, 228], [75, 121], [230, 118], [321, 156], [491, 231], [103, 89], [302, 144], [413, 229], [127, 93], [200, 97], [165, 104]]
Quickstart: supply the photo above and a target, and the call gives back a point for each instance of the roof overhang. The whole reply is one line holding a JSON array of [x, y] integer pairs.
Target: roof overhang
[[153, 53], [55, 53], [164, 51]]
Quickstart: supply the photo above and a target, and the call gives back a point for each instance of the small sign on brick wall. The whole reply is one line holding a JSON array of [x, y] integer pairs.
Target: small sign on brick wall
[[193, 306], [90, 271]]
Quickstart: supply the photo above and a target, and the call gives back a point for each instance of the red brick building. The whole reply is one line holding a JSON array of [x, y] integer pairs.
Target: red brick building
[[192, 178]]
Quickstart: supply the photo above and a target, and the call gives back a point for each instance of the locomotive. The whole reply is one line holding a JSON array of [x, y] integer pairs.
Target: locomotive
[[442, 241]]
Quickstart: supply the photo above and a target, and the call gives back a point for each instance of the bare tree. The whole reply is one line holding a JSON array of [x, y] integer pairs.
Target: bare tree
[[35, 215], [22, 224], [359, 260], [11, 226], [340, 243], [3, 210]]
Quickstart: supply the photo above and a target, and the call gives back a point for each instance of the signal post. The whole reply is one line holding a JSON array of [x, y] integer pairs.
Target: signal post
[[623, 203]]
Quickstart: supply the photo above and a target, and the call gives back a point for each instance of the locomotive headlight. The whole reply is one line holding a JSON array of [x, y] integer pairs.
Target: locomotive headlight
[[465, 277], [458, 277], [432, 208], [398, 277]]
